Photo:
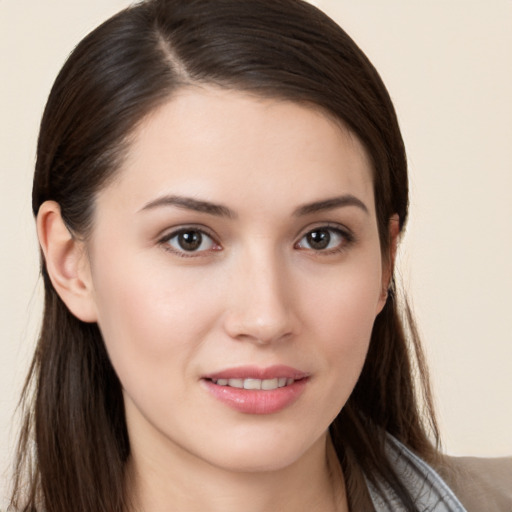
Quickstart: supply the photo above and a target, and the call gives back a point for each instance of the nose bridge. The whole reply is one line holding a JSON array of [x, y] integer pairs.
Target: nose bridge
[[261, 308]]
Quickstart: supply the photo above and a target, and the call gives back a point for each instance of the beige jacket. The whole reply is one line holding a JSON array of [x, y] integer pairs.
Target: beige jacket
[[467, 484], [482, 485]]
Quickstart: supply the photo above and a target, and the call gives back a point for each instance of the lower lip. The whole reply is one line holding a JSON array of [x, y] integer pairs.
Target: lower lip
[[252, 401]]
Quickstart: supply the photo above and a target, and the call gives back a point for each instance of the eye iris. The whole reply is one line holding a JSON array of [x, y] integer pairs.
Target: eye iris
[[319, 239], [190, 240]]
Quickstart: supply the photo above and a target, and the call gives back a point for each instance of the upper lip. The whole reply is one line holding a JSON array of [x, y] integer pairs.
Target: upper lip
[[255, 372]]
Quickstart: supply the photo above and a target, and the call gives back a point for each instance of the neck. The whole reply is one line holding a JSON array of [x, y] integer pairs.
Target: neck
[[163, 482]]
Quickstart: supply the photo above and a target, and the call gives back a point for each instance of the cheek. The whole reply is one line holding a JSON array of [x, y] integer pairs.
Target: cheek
[[341, 316], [151, 321], [346, 327], [346, 302]]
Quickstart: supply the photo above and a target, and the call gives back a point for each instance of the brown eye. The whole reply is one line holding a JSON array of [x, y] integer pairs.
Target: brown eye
[[190, 241], [318, 239], [324, 239]]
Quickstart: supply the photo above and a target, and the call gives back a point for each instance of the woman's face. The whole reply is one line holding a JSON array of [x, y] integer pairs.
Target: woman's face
[[238, 248]]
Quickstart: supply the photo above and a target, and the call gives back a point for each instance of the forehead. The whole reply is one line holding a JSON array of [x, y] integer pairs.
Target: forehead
[[247, 150]]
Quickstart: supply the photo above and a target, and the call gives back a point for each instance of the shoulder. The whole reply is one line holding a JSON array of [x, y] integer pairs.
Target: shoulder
[[480, 484]]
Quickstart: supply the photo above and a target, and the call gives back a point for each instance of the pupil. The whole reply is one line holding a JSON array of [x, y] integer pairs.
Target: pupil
[[190, 240], [319, 239]]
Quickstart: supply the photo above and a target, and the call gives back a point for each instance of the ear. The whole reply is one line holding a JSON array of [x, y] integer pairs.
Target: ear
[[66, 262], [388, 260]]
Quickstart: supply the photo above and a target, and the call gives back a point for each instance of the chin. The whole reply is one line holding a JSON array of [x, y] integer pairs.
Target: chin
[[265, 453]]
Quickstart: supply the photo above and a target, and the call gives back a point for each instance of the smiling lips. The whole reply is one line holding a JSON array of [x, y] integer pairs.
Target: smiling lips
[[265, 384], [253, 390]]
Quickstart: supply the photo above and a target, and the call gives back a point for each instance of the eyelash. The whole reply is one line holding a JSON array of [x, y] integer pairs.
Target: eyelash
[[347, 238], [183, 253]]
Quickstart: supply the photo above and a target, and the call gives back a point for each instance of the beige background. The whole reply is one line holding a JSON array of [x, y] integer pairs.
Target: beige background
[[448, 66]]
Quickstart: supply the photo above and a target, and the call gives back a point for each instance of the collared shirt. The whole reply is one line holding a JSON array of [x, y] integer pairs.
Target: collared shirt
[[428, 489]]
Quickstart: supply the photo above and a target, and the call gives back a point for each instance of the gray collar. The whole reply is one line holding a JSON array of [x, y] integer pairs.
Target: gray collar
[[429, 490]]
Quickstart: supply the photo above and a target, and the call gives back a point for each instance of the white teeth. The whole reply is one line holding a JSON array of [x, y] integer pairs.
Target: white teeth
[[236, 383], [252, 384], [269, 384], [265, 384]]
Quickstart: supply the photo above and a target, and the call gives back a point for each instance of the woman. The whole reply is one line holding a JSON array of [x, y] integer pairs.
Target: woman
[[219, 192]]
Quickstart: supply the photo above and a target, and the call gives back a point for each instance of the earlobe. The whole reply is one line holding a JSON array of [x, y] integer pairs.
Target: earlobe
[[66, 262]]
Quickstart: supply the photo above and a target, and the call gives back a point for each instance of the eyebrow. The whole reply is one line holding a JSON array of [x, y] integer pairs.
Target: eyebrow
[[188, 203], [330, 204]]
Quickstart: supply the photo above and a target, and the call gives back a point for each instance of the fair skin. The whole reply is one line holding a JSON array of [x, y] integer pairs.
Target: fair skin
[[239, 232]]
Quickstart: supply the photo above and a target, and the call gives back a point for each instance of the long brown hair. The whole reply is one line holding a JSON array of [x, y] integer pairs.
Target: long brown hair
[[74, 444]]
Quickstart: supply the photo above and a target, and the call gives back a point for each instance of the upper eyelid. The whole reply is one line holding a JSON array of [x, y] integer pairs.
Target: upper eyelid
[[341, 228], [168, 233]]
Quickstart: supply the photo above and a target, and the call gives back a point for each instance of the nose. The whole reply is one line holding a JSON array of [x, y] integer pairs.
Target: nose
[[261, 306]]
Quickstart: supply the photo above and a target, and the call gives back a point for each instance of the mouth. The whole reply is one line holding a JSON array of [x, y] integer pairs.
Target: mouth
[[255, 384], [253, 390]]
